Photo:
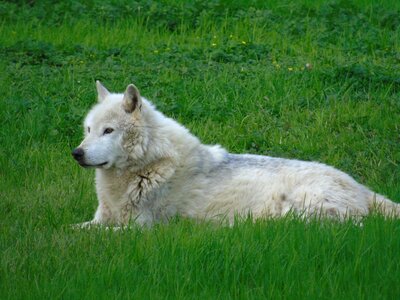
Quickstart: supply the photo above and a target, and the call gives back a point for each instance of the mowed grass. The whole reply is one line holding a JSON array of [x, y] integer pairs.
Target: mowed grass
[[309, 80]]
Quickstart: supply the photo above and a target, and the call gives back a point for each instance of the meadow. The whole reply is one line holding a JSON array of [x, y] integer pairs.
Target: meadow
[[311, 80]]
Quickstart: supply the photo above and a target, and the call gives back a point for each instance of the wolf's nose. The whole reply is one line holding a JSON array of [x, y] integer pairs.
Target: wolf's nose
[[78, 153]]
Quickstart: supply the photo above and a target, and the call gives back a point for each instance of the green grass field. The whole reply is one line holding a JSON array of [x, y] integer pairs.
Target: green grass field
[[311, 80]]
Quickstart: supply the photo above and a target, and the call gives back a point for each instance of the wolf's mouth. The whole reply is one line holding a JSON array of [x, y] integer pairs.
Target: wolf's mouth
[[87, 166]]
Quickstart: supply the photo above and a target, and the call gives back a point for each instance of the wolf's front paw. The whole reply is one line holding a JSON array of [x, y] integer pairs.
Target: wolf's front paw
[[85, 225]]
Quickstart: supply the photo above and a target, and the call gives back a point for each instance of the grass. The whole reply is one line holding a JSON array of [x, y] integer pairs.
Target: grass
[[234, 74]]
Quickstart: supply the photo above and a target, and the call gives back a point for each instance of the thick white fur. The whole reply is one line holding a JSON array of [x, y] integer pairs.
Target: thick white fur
[[155, 169]]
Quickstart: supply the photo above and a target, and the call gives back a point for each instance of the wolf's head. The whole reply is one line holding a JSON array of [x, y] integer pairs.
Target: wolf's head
[[114, 130]]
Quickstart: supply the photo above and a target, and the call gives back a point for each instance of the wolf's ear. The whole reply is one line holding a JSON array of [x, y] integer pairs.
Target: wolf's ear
[[102, 92], [132, 100]]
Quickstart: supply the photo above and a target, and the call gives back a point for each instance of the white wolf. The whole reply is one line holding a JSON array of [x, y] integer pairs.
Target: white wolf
[[149, 169]]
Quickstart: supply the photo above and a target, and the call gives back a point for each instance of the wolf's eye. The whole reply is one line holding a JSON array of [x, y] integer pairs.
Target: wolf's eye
[[108, 131]]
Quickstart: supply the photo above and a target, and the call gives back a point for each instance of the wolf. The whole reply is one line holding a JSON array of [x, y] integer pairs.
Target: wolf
[[149, 168]]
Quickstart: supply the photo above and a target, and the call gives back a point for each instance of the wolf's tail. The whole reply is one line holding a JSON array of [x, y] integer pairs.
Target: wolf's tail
[[385, 206]]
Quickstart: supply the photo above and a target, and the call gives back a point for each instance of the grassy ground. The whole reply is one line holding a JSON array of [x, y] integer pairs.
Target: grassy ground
[[312, 80]]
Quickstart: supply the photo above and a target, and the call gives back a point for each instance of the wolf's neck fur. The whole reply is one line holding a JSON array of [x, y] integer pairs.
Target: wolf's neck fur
[[166, 139]]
